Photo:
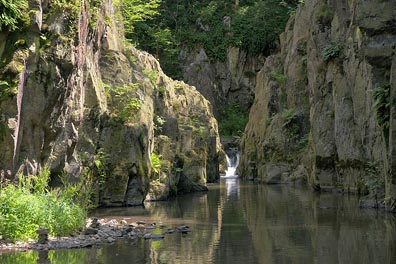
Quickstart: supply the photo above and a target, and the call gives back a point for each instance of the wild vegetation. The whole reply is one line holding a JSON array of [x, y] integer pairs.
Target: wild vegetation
[[12, 14], [31, 203], [212, 24]]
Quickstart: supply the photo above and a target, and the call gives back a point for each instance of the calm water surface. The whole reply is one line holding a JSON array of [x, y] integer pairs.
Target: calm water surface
[[238, 222]]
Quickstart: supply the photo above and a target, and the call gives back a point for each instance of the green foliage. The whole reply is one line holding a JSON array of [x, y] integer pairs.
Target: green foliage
[[94, 8], [325, 14], [70, 7], [156, 163], [289, 115], [134, 11], [381, 105], [278, 75], [233, 121], [212, 24], [373, 180], [332, 51], [152, 75], [159, 121], [293, 130], [124, 101], [26, 207], [8, 89], [12, 13]]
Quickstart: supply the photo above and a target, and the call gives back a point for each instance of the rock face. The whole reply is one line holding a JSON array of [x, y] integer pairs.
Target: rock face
[[322, 104], [231, 81], [92, 108]]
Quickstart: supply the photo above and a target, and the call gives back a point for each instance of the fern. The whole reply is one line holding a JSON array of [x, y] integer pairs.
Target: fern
[[12, 13]]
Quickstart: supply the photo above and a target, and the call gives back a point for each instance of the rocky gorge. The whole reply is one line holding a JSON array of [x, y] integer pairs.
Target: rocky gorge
[[80, 100]]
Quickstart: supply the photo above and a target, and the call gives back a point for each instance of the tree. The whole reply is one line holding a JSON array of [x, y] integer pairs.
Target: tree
[[134, 11]]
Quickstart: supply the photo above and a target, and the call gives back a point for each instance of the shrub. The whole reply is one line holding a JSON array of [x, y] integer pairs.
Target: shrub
[[332, 51], [30, 204], [278, 75], [12, 14], [156, 163], [381, 106], [124, 101], [233, 121]]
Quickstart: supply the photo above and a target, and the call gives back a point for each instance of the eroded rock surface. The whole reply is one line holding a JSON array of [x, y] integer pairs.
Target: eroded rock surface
[[92, 107], [320, 102]]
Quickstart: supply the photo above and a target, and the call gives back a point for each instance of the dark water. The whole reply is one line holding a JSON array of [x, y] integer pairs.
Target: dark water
[[244, 223]]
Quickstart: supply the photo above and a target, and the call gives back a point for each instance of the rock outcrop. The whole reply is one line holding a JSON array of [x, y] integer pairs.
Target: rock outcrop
[[77, 98], [223, 82], [324, 104]]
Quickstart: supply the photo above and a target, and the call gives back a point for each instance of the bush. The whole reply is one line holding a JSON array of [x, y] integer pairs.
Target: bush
[[233, 120], [332, 51], [381, 95], [12, 14], [26, 207], [156, 163], [212, 24]]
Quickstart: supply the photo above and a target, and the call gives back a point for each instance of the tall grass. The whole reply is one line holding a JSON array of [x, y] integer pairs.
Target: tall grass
[[26, 206]]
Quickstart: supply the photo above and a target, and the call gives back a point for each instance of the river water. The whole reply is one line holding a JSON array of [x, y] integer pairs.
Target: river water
[[239, 222]]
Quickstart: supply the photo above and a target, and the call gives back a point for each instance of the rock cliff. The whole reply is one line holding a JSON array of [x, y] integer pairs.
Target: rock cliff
[[76, 97], [324, 105], [223, 82]]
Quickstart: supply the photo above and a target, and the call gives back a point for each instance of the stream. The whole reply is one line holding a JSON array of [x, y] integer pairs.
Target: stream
[[241, 222]]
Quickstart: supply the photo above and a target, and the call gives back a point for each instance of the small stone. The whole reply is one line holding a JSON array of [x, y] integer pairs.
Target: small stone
[[90, 231], [140, 222], [110, 240], [43, 235], [94, 223], [157, 237], [170, 231]]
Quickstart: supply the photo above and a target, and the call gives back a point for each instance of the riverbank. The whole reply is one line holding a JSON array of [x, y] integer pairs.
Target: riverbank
[[97, 233]]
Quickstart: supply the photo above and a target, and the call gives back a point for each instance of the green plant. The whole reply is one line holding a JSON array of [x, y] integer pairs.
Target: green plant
[[381, 95], [278, 75], [31, 204], [12, 13], [332, 51], [289, 115], [373, 180], [156, 163], [161, 90], [152, 75], [233, 121], [71, 9], [159, 121], [324, 14], [134, 11], [215, 25], [124, 101]]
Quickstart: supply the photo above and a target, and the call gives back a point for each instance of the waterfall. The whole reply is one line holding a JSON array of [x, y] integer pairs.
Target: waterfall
[[232, 163]]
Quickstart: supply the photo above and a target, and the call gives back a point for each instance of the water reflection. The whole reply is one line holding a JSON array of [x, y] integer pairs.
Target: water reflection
[[232, 187], [244, 223]]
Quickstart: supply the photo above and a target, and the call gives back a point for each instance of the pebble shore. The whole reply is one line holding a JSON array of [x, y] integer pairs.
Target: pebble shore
[[97, 233]]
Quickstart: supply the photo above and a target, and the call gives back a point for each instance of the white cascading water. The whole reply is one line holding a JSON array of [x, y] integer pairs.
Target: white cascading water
[[232, 164]]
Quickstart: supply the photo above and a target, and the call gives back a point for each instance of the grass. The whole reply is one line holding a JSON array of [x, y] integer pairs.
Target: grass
[[30, 204]]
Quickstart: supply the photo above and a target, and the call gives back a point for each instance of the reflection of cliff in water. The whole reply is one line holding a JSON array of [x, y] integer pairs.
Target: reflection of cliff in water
[[291, 225]]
